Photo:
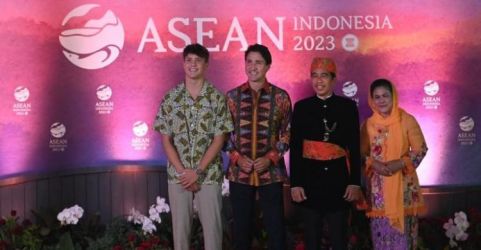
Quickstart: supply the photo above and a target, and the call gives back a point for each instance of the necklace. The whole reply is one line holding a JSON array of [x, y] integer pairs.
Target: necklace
[[328, 130]]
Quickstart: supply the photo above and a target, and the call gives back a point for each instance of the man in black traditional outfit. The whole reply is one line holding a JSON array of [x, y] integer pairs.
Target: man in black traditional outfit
[[325, 157]]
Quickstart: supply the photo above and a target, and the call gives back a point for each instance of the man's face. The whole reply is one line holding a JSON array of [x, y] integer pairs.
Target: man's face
[[256, 67], [194, 66], [322, 82]]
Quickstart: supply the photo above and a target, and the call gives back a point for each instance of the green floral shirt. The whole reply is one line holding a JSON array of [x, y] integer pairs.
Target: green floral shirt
[[192, 124]]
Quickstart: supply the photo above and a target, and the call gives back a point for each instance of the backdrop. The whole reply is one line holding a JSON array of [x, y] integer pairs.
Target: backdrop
[[81, 81]]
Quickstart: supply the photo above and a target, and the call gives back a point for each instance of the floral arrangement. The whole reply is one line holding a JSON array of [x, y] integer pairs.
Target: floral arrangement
[[148, 226], [70, 215], [461, 232], [69, 229], [456, 229], [72, 229], [16, 234]]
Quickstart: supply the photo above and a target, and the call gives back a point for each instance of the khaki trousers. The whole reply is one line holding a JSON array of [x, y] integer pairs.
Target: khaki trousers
[[208, 202]]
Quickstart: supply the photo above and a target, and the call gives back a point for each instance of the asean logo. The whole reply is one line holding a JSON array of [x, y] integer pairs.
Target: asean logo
[[58, 130], [466, 123], [104, 92], [431, 87], [349, 89], [21, 93], [92, 38], [140, 128]]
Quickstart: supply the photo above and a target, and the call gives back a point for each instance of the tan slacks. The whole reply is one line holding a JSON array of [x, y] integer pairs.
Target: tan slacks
[[208, 201]]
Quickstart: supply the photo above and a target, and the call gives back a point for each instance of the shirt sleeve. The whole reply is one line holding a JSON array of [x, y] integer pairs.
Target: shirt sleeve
[[163, 122], [295, 153], [365, 143], [417, 143], [353, 145], [282, 144], [285, 128], [223, 120]]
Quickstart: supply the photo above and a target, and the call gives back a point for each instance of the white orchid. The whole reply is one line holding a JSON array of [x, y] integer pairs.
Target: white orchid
[[148, 226], [461, 220], [156, 209], [135, 216], [456, 229], [147, 223], [162, 206], [154, 214], [71, 215], [64, 216]]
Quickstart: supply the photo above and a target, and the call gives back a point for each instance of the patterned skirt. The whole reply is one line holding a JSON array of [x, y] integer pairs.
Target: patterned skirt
[[385, 237]]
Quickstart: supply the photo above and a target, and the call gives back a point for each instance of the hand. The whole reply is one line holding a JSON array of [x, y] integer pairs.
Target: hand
[[395, 165], [193, 188], [261, 164], [245, 163], [381, 168], [188, 178], [353, 193], [297, 194]]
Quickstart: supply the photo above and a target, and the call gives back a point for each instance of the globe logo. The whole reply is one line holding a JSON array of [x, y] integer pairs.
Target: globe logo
[[91, 40], [57, 130], [21, 93], [349, 89], [431, 87], [140, 128], [104, 92], [350, 42], [466, 123]]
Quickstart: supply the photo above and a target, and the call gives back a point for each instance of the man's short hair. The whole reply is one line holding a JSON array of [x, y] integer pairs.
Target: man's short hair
[[197, 50], [263, 50]]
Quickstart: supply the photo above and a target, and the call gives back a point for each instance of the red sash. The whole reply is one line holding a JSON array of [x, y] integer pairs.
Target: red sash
[[322, 151]]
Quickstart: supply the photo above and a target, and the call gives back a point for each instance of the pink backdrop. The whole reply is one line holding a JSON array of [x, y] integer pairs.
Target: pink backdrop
[[81, 82]]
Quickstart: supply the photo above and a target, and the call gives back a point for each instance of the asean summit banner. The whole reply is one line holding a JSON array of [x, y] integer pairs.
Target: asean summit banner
[[81, 81]]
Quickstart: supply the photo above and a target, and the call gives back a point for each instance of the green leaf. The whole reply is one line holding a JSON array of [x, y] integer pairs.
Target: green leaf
[[65, 242]]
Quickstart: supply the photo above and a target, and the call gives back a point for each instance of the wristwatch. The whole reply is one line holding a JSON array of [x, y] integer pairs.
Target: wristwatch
[[200, 173]]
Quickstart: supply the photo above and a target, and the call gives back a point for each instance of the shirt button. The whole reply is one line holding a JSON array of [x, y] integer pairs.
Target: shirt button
[[325, 169], [325, 106]]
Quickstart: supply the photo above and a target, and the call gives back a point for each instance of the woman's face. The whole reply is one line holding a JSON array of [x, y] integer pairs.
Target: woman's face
[[382, 100]]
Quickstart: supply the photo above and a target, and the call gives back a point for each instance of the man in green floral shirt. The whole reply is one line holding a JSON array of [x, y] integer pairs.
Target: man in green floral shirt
[[193, 119]]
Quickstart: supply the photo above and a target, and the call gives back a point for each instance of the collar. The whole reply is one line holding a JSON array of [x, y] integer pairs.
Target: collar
[[203, 90], [325, 99], [267, 87]]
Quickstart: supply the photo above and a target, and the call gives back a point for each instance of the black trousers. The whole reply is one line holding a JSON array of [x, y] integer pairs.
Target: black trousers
[[243, 199], [313, 223]]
